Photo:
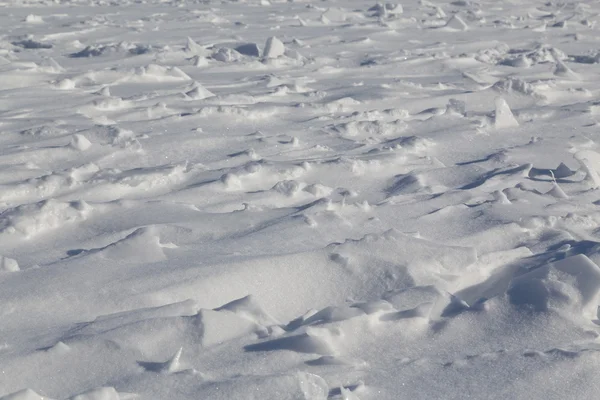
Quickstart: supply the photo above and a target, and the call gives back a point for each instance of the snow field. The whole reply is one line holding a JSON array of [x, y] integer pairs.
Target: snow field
[[299, 200]]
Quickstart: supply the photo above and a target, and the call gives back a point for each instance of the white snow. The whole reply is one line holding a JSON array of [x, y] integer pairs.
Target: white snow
[[310, 199], [503, 117], [8, 264], [80, 142], [273, 48], [456, 23]]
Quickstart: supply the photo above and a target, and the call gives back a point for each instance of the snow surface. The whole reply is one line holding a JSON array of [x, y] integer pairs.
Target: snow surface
[[304, 199]]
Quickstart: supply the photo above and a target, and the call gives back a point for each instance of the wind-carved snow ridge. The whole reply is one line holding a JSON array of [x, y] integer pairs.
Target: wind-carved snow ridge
[[268, 199]]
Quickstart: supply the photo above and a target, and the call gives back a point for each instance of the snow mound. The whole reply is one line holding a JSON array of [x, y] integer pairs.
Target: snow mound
[[66, 84], [43, 131], [589, 161], [170, 366], [158, 73], [287, 187], [107, 323], [273, 48], [347, 394], [226, 55], [34, 19], [327, 315], [153, 329], [26, 394], [50, 65], [456, 23], [194, 48], [103, 393], [386, 10], [526, 58], [198, 92], [249, 308], [216, 327], [564, 71], [571, 284], [80, 142], [410, 260], [31, 44], [557, 192], [8, 264], [291, 386], [142, 245], [314, 341], [516, 85], [106, 49], [33, 219], [368, 129], [503, 117]]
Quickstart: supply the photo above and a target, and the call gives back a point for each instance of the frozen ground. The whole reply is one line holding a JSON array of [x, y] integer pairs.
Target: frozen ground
[[299, 199]]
